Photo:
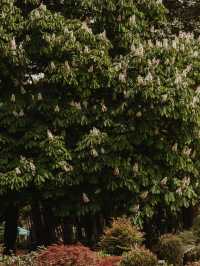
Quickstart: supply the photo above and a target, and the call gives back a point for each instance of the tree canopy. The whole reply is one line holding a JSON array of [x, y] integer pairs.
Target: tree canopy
[[99, 107]]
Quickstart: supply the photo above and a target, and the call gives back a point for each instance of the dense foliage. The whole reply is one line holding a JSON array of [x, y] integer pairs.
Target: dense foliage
[[60, 255], [120, 237], [99, 109], [171, 249], [139, 256]]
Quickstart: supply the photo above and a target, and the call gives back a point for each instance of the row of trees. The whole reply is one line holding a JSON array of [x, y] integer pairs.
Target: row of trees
[[99, 116]]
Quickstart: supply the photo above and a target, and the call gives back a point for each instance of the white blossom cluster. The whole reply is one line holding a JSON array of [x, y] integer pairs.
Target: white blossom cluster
[[95, 131], [34, 78], [27, 165]]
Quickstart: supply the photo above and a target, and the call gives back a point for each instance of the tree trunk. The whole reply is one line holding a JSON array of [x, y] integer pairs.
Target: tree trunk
[[79, 230], [68, 233], [100, 224], [37, 232], [90, 230], [10, 232], [44, 227], [50, 225], [189, 215]]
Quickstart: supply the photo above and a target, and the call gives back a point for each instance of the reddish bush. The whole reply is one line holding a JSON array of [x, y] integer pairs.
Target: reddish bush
[[76, 255], [60, 255]]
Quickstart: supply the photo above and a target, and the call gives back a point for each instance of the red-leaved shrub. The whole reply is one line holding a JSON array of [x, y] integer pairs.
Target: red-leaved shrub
[[76, 255], [60, 255]]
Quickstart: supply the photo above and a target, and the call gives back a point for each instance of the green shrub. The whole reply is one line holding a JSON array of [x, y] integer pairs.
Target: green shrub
[[139, 256], [170, 248], [192, 255], [188, 238], [120, 237], [29, 259]]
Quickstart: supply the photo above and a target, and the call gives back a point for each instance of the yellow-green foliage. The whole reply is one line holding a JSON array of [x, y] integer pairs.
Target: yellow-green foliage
[[188, 238], [139, 256], [171, 249], [120, 237], [29, 259]]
